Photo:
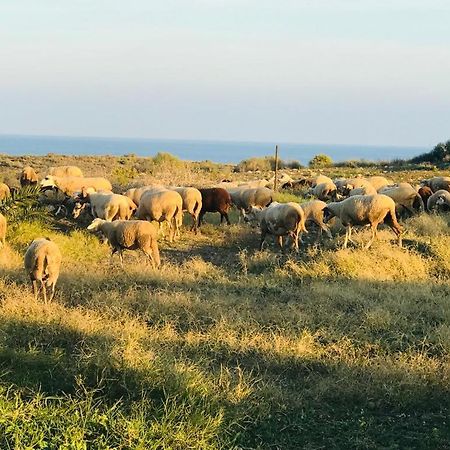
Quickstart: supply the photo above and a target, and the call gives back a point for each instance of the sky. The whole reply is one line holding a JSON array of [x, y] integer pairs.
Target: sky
[[320, 71]]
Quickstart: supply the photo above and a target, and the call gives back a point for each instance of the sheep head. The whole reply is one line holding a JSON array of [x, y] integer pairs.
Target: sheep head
[[95, 224]]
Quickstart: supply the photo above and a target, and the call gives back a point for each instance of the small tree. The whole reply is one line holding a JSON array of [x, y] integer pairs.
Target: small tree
[[320, 161]]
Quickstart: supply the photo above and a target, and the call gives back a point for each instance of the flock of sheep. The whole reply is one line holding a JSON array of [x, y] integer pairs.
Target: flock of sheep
[[125, 220]]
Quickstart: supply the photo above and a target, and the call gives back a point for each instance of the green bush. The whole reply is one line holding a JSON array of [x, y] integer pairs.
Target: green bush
[[253, 164], [321, 160], [439, 155]]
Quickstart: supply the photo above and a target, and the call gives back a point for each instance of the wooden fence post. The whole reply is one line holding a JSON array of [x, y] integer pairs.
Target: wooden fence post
[[275, 183]]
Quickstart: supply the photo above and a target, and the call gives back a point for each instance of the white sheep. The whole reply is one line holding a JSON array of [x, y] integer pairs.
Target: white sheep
[[405, 197], [106, 206], [42, 263], [192, 202], [314, 214], [65, 171], [162, 206], [70, 185], [363, 210], [3, 227], [244, 198], [135, 194], [379, 182], [324, 191], [440, 200], [280, 219], [364, 190], [129, 235]]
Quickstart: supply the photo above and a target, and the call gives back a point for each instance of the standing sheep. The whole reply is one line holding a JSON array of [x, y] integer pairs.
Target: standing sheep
[[379, 182], [28, 177], [245, 198], [280, 219], [130, 235], [363, 210], [162, 206], [70, 185], [42, 263], [135, 194], [437, 183], [314, 214], [3, 226], [324, 191], [192, 203], [405, 197], [106, 206], [65, 171], [215, 200]]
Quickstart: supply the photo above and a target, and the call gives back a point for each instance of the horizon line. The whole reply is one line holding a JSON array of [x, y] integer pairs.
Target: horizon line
[[210, 140]]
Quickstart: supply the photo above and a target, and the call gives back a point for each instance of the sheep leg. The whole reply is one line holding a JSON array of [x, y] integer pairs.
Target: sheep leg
[[226, 217], [263, 238], [44, 290], [200, 217], [374, 234], [348, 231], [52, 292], [35, 288], [280, 242]]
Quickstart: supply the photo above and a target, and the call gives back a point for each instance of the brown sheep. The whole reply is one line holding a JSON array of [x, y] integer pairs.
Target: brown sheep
[[215, 200], [3, 226], [4, 191]]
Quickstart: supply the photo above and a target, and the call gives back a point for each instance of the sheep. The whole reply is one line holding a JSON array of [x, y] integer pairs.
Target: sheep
[[362, 210], [215, 200], [65, 171], [106, 206], [425, 193], [437, 183], [324, 191], [3, 227], [192, 202], [70, 185], [379, 182], [129, 235], [135, 194], [353, 183], [42, 263], [364, 190], [245, 198], [28, 177], [439, 201], [162, 206], [405, 197], [280, 219], [5, 192], [314, 214]]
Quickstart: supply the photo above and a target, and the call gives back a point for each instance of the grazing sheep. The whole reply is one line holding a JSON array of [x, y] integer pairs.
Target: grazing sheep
[[3, 226], [324, 191], [319, 179], [439, 201], [363, 210], [135, 194], [70, 185], [5, 192], [314, 214], [129, 235], [28, 177], [245, 198], [280, 219], [379, 182], [405, 197], [365, 190], [42, 263], [106, 206], [437, 183], [162, 206], [65, 171], [425, 193], [215, 200], [353, 183], [192, 202]]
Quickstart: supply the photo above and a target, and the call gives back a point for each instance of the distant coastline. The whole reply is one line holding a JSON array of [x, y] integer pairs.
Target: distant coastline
[[197, 150]]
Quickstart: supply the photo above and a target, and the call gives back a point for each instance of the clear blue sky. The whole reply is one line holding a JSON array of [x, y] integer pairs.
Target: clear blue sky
[[318, 71]]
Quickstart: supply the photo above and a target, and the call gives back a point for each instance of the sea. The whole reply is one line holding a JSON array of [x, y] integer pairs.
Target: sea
[[198, 150]]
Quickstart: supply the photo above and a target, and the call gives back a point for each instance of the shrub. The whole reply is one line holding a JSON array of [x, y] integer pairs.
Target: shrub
[[254, 164], [320, 160], [439, 155]]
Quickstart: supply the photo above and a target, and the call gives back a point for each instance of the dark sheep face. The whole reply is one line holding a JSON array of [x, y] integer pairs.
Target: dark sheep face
[[327, 214]]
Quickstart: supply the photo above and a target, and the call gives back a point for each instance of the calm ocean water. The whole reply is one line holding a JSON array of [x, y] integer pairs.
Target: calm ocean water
[[218, 151]]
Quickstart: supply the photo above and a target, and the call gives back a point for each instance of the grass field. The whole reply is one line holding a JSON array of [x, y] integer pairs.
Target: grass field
[[226, 347]]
